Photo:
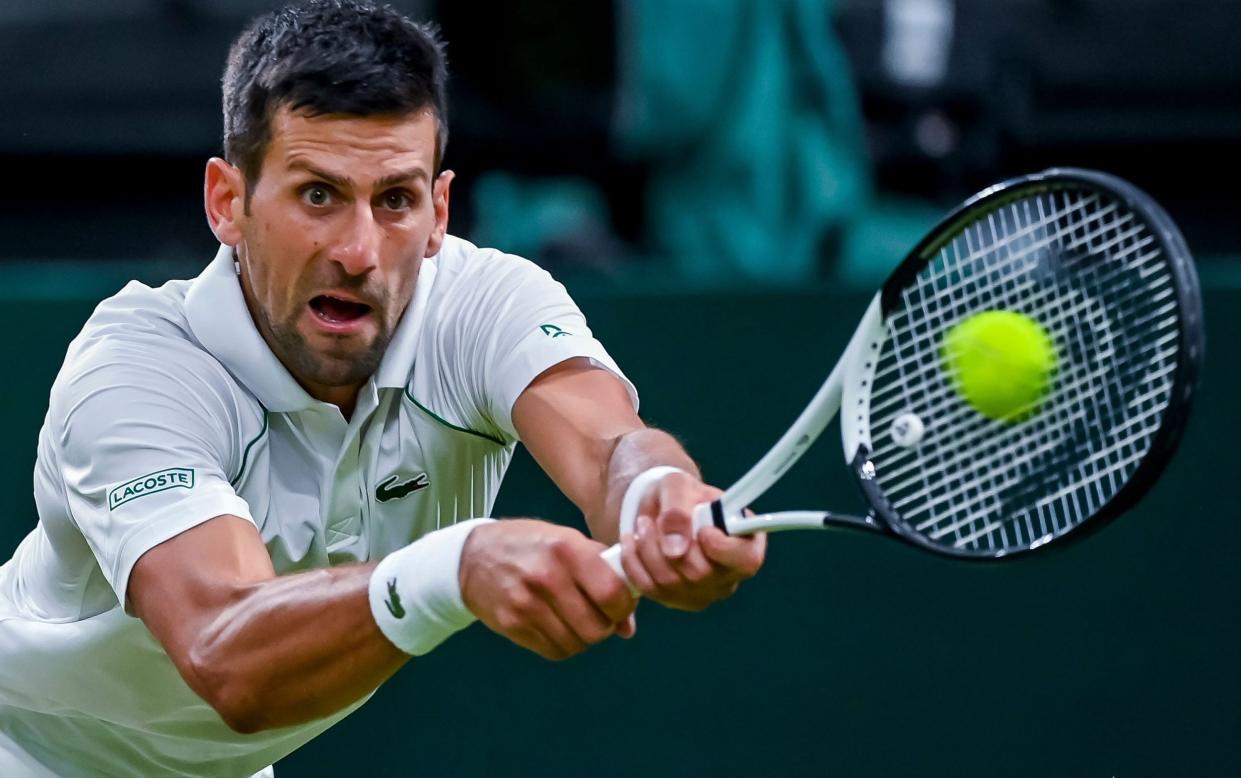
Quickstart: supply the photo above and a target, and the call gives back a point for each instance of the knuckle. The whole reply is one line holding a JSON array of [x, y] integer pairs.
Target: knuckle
[[697, 573], [559, 547], [541, 578], [521, 601], [507, 620], [666, 579], [569, 545], [614, 596]]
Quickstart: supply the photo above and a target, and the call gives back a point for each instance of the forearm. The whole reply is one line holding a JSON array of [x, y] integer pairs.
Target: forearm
[[580, 425], [633, 453], [293, 648]]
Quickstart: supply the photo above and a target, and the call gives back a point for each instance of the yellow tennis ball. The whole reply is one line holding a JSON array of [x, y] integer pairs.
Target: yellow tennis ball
[[1001, 362]]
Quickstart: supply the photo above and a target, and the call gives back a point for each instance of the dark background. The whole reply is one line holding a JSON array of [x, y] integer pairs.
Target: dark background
[[849, 655]]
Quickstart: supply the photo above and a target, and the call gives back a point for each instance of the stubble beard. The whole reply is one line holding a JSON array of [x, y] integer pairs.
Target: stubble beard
[[314, 366]]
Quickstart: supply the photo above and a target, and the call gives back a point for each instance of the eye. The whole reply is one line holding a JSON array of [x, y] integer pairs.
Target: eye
[[317, 195], [397, 200]]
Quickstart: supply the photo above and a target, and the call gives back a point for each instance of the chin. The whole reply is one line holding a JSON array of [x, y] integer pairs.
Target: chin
[[337, 370]]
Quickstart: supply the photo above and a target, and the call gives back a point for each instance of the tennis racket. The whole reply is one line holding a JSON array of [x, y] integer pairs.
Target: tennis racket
[[1103, 269]]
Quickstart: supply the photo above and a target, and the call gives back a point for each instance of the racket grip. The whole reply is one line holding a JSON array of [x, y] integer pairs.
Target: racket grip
[[613, 557]]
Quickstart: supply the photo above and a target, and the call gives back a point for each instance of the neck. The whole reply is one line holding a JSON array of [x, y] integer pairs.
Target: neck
[[343, 397]]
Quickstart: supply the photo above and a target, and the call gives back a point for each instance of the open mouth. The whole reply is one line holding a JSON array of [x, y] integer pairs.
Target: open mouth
[[337, 311]]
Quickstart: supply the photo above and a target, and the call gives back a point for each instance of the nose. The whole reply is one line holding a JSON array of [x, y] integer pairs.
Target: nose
[[358, 249]]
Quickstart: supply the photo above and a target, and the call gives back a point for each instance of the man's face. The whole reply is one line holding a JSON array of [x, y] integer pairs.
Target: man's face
[[343, 213]]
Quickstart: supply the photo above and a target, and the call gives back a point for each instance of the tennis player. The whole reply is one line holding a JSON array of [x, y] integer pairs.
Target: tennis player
[[260, 491]]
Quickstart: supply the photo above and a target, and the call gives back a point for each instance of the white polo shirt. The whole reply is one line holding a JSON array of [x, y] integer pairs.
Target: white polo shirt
[[171, 410]]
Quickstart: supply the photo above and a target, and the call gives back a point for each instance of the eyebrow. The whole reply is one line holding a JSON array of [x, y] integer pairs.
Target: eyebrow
[[344, 182]]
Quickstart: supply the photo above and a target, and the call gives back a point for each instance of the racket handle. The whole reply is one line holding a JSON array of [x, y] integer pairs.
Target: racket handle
[[613, 557]]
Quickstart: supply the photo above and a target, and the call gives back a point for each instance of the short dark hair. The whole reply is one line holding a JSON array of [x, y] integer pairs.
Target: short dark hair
[[329, 56]]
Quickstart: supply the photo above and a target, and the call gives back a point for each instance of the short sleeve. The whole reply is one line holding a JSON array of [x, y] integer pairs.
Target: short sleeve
[[536, 326], [146, 448]]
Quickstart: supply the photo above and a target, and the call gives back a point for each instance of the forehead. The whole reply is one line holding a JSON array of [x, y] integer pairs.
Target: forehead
[[360, 146]]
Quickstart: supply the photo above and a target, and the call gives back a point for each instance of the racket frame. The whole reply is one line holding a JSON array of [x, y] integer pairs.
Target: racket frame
[[1191, 344], [846, 389]]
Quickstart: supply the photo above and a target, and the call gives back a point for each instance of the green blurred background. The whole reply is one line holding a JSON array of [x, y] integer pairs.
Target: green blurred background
[[720, 204], [849, 655]]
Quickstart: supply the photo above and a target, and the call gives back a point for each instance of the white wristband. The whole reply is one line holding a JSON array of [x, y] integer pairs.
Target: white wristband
[[638, 487], [415, 592]]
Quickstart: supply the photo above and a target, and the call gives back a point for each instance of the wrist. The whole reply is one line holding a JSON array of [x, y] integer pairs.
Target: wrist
[[415, 592]]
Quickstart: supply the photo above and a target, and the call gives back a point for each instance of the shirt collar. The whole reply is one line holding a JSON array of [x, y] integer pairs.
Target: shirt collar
[[218, 316], [398, 360]]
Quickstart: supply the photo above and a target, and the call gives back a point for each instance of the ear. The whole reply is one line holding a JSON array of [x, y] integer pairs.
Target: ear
[[224, 197], [439, 201]]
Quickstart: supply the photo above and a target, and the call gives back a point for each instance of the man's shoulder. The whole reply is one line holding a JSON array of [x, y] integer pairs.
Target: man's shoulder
[[139, 339], [473, 279], [463, 266], [140, 312]]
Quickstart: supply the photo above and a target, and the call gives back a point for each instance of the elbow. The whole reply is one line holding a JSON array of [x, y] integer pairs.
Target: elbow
[[232, 696], [239, 716]]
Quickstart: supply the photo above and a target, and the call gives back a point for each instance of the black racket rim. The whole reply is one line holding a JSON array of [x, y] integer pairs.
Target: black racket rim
[[1190, 353]]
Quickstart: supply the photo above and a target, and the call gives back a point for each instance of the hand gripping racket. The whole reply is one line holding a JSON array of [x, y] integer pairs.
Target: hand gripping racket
[[1102, 268]]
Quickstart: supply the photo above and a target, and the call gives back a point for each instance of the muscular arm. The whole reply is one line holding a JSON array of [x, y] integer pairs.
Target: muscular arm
[[580, 426], [268, 651], [264, 651]]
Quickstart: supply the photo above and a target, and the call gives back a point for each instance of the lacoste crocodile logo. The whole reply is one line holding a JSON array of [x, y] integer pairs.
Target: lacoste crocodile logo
[[394, 601], [389, 489]]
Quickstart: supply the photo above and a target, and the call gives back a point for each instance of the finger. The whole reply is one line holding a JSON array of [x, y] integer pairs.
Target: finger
[[646, 542], [574, 616], [741, 555], [526, 622], [600, 585], [541, 644], [674, 520], [627, 628], [694, 566], [533, 640], [549, 621], [537, 605], [633, 567]]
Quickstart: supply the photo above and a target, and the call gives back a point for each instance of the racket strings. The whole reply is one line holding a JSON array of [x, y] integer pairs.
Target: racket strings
[[1029, 488], [1095, 278], [946, 408], [889, 398], [1106, 401], [984, 276]]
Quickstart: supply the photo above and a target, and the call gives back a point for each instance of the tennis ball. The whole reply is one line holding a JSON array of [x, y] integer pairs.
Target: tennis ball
[[1001, 362]]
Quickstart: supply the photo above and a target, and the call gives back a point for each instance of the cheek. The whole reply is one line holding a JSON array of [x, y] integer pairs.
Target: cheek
[[277, 274], [401, 282]]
